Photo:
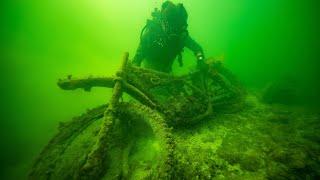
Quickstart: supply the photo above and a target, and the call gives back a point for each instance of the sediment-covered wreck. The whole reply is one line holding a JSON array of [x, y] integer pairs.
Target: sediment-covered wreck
[[135, 139]]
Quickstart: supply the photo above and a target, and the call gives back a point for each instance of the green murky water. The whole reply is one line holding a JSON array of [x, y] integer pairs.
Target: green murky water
[[260, 41]]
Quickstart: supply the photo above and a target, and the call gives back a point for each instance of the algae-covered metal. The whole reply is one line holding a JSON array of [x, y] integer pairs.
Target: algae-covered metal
[[99, 144]]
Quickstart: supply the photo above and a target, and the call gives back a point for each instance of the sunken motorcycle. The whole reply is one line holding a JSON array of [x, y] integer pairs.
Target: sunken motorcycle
[[134, 138]]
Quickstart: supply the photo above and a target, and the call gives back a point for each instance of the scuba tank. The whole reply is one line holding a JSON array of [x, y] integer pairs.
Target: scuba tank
[[156, 21], [156, 18]]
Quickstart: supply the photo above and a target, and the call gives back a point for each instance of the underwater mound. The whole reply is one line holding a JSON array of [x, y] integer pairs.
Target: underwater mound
[[181, 128], [259, 142]]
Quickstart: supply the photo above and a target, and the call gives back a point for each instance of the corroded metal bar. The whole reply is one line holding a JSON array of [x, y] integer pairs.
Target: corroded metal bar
[[138, 95], [86, 83], [205, 114], [109, 82], [93, 167], [150, 71], [117, 89]]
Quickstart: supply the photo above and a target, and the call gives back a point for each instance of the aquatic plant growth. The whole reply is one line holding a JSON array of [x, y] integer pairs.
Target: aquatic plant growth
[[166, 101], [253, 115], [151, 137]]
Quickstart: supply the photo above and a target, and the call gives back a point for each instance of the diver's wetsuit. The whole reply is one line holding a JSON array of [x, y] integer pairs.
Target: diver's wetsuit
[[159, 49]]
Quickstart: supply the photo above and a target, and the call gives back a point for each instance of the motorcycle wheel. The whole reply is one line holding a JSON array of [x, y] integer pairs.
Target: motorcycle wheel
[[141, 146]]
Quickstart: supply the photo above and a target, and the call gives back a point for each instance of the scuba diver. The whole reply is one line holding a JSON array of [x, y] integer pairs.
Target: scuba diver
[[163, 38]]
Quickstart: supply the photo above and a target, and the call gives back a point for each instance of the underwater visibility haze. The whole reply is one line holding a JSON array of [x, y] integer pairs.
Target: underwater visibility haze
[[256, 117]]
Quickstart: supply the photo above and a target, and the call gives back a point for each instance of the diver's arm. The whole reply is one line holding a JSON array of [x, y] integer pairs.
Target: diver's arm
[[195, 47], [139, 56], [198, 52], [142, 48]]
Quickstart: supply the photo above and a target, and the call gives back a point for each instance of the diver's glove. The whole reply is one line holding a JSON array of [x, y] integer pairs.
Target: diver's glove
[[201, 64]]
